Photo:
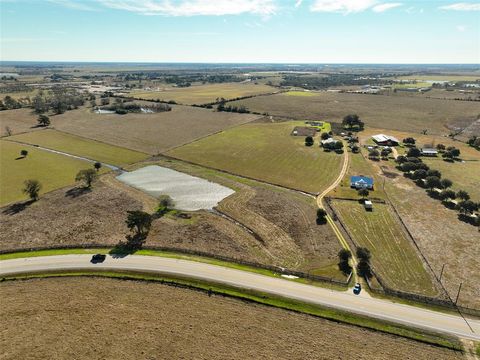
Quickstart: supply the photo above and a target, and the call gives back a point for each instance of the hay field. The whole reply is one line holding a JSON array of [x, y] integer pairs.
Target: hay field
[[203, 94], [266, 151], [80, 146], [394, 257], [407, 113], [52, 170], [148, 133], [98, 318]]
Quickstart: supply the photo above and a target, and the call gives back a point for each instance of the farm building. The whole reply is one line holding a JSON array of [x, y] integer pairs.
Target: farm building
[[385, 140], [303, 131], [429, 152], [361, 182], [368, 205], [330, 142]]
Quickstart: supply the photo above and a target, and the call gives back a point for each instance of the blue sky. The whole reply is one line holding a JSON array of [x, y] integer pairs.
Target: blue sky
[[282, 31]]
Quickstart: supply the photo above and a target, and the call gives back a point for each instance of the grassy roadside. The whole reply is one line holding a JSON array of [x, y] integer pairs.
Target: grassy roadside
[[172, 255], [276, 301]]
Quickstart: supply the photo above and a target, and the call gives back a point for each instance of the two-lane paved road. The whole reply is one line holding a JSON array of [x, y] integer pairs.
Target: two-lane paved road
[[377, 308]]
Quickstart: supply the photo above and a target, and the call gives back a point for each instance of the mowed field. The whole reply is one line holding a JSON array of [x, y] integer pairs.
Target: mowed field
[[203, 94], [405, 113], [86, 318], [148, 133], [393, 255], [79, 146], [52, 170], [266, 151]]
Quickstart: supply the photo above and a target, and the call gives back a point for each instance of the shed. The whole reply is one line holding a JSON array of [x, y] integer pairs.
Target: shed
[[429, 152], [368, 204], [361, 182], [382, 139]]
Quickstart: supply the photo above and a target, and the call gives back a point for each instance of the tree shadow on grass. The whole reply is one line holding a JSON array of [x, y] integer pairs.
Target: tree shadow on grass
[[17, 207], [469, 219], [20, 158], [77, 191], [132, 244]]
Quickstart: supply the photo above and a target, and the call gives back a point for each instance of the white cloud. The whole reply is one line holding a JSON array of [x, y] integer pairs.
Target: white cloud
[[298, 3], [72, 4], [384, 7], [342, 6], [194, 7], [462, 7], [461, 28]]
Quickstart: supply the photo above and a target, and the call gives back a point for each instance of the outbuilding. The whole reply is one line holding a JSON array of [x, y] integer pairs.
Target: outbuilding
[[429, 152], [368, 205], [385, 140]]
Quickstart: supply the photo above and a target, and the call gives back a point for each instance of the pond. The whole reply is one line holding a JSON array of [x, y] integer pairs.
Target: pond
[[189, 193]]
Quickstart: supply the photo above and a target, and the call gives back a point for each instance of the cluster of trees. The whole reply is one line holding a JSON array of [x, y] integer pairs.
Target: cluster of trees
[[58, 100], [375, 155], [325, 81], [363, 267], [9, 103], [344, 257], [438, 187], [474, 141], [353, 122], [121, 108], [229, 108]]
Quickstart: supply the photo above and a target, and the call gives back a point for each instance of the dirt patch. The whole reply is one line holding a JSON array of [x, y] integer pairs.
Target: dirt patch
[[112, 319]]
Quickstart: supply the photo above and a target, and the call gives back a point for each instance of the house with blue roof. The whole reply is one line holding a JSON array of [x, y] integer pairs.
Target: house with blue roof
[[361, 182]]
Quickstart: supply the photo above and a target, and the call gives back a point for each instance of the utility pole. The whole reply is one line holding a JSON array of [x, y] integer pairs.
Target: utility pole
[[458, 294], [441, 273]]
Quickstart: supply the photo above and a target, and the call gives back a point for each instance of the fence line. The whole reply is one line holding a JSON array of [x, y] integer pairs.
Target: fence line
[[277, 269]]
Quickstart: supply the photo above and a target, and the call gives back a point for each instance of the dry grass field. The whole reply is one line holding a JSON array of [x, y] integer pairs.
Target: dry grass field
[[442, 238], [53, 171], [149, 133], [266, 151], [63, 217], [407, 113], [80, 146], [394, 257], [203, 94], [86, 318], [18, 121]]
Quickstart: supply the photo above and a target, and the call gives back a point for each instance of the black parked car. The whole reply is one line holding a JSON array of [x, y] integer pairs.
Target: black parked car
[[357, 289], [98, 258]]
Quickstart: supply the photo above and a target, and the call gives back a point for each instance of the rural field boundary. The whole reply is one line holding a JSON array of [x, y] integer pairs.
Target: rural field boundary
[[446, 301], [169, 157], [277, 269]]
